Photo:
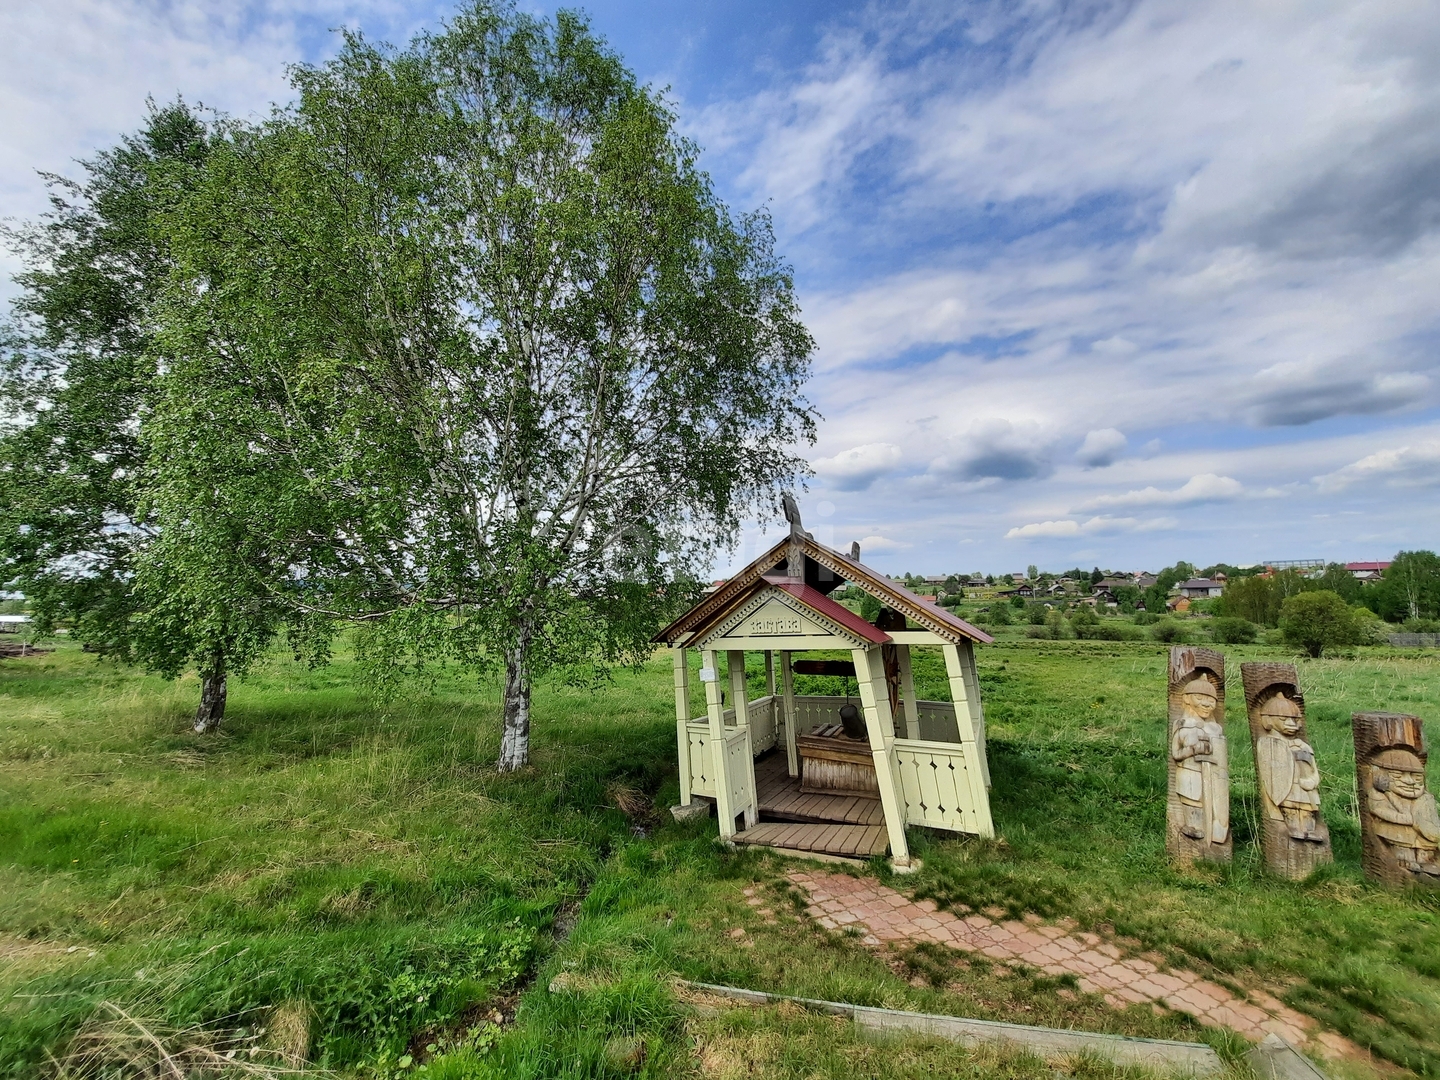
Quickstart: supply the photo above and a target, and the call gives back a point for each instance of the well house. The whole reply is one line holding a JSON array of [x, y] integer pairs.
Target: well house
[[780, 769]]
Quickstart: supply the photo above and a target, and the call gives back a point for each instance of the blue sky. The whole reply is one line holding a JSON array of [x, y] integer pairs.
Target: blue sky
[[1092, 283]]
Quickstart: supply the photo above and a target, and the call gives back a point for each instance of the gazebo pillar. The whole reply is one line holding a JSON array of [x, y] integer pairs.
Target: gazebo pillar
[[682, 721], [719, 748], [735, 661], [874, 695], [965, 693], [787, 685]]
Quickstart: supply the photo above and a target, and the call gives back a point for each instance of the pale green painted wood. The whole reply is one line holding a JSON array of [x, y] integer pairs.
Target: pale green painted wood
[[870, 674], [720, 771], [965, 694], [735, 661], [682, 720], [787, 682]]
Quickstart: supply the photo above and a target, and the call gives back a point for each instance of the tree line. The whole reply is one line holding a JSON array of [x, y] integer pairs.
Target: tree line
[[459, 349]]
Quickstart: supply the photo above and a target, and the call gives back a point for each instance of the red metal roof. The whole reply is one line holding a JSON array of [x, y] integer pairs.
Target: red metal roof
[[1354, 566], [835, 612]]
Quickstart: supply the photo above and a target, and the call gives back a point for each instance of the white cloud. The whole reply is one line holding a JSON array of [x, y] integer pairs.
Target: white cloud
[[997, 449], [1405, 466], [860, 466], [1206, 487], [1101, 448], [1066, 527]]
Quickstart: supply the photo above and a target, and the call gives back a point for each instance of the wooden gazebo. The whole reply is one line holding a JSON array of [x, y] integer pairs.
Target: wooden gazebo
[[780, 770]]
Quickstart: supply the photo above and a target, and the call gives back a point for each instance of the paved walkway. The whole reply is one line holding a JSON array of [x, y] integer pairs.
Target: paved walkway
[[1100, 966]]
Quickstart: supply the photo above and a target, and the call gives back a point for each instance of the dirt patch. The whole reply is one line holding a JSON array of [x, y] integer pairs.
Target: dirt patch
[[18, 650]]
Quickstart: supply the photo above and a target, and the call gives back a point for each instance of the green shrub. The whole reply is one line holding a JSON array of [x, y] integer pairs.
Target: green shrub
[[1000, 615], [1370, 629], [1035, 614], [1041, 631], [1170, 632], [1110, 630], [1146, 618], [1316, 621], [1234, 631]]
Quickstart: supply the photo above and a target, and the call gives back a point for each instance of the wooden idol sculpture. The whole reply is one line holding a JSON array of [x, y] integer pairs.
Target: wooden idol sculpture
[[1399, 825], [1198, 807], [1295, 838]]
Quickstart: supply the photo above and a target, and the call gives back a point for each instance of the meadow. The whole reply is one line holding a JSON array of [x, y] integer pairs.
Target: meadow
[[352, 885]]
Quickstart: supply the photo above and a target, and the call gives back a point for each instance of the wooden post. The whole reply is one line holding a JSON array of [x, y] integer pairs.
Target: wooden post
[[875, 696], [787, 684], [966, 709], [977, 707], [735, 660], [715, 708], [770, 691], [682, 722], [907, 694]]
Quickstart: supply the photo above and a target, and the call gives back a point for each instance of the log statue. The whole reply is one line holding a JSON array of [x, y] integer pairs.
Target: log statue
[[1198, 807], [1294, 835], [1399, 826]]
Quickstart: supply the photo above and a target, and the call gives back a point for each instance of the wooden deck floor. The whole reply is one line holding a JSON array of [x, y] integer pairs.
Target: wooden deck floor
[[855, 841], [781, 799]]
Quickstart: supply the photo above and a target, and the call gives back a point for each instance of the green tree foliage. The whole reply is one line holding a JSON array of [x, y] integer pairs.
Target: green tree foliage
[[1000, 614], [1032, 572], [1096, 576], [1233, 631], [1126, 597], [1259, 599], [1317, 620], [1410, 588], [473, 327], [1340, 581], [1156, 595], [78, 532]]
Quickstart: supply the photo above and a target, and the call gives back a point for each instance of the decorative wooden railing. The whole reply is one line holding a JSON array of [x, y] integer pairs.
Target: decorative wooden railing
[[938, 784]]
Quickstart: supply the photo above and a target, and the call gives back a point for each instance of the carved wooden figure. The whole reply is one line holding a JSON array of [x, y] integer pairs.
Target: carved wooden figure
[[1399, 826], [1198, 807], [1295, 838]]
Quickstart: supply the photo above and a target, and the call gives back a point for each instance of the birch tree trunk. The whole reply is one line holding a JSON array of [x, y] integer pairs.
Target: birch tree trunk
[[515, 742], [212, 696]]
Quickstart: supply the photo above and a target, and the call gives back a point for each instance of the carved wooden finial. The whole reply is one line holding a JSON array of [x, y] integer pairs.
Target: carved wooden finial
[[795, 556]]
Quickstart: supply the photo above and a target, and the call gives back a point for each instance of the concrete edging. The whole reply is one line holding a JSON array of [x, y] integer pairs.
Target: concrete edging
[[1197, 1059]]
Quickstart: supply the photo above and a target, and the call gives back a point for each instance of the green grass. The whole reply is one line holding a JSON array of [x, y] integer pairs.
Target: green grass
[[367, 871]]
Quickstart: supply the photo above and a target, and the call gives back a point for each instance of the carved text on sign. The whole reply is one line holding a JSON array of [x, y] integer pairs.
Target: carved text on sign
[[766, 627]]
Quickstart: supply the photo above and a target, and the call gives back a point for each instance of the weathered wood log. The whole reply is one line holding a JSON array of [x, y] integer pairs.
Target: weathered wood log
[[1198, 805], [831, 763], [1295, 838]]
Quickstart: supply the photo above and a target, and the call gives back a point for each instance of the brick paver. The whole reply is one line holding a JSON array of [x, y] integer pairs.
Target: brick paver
[[885, 915]]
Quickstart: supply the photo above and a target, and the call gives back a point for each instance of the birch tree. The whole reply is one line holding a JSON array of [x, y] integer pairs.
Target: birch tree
[[78, 379], [474, 340]]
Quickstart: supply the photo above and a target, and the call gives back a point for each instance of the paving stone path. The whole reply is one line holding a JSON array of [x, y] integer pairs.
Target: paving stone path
[[1100, 966]]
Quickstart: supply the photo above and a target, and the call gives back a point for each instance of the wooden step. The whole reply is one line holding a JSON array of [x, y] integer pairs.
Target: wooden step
[[855, 841]]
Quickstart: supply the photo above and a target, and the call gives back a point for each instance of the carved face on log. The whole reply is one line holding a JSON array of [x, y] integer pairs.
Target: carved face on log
[[1281, 715], [1199, 698], [1399, 772]]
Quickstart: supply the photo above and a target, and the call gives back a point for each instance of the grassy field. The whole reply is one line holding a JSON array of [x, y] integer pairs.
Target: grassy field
[[357, 886]]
